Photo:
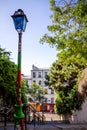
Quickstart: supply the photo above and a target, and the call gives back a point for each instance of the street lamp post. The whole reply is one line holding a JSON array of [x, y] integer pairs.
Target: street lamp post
[[20, 21]]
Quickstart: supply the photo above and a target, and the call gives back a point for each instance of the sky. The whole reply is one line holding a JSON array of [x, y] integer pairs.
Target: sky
[[38, 14]]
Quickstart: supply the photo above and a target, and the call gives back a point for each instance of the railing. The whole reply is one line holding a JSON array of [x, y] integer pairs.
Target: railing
[[32, 116], [5, 112]]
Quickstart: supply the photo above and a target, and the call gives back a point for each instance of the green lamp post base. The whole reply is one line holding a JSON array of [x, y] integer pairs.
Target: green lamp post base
[[18, 113]]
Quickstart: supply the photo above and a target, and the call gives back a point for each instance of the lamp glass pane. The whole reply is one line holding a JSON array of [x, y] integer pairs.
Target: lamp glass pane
[[18, 22], [24, 24]]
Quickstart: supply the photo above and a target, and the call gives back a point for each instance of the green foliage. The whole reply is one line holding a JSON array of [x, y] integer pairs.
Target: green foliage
[[68, 34], [81, 8], [23, 91], [36, 92], [64, 79], [4, 54], [66, 104], [62, 74], [8, 79], [47, 80]]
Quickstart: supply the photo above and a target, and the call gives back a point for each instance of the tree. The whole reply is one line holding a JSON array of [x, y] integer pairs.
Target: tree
[[68, 34], [64, 81], [36, 92], [4, 54], [23, 91], [8, 79]]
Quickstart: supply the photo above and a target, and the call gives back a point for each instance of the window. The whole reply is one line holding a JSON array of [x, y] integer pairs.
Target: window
[[46, 91], [48, 107], [52, 100], [45, 74], [52, 91], [39, 74], [34, 75], [45, 100], [34, 81], [39, 82], [44, 83]]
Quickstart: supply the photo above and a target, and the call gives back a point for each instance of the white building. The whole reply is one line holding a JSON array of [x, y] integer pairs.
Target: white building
[[38, 75]]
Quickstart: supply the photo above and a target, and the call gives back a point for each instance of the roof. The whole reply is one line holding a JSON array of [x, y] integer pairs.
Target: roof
[[35, 68]]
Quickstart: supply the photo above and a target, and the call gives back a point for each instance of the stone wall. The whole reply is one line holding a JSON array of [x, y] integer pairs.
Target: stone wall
[[80, 116]]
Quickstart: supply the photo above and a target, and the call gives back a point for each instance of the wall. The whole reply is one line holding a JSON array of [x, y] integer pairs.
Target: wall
[[80, 116]]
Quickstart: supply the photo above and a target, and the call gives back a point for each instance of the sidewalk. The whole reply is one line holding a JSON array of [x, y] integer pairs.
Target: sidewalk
[[10, 126], [72, 127], [59, 127]]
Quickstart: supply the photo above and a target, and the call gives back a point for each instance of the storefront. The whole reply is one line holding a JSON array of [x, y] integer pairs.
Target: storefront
[[48, 108]]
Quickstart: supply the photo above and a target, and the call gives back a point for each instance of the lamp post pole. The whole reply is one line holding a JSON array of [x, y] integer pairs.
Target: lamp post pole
[[19, 69], [19, 113], [20, 21]]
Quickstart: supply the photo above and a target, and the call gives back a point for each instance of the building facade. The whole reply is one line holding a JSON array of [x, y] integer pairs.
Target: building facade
[[38, 75]]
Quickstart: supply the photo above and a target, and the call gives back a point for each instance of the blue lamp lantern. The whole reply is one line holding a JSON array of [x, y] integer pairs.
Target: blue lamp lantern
[[20, 20]]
